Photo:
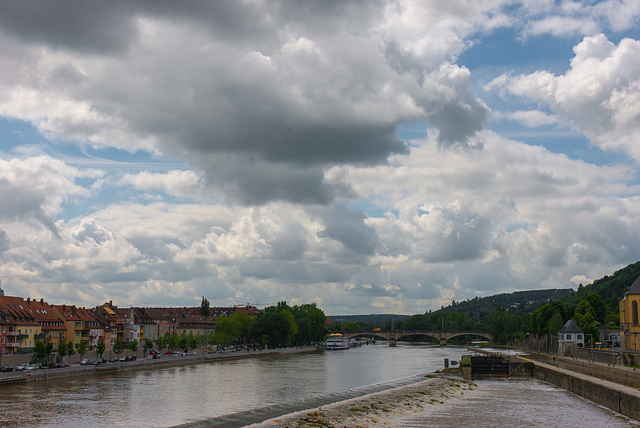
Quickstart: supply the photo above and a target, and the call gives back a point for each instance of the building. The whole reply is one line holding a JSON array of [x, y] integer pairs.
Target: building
[[22, 328], [570, 336], [629, 322], [52, 326]]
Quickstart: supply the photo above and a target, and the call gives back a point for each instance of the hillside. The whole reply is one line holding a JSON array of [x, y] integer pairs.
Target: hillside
[[611, 288], [517, 302]]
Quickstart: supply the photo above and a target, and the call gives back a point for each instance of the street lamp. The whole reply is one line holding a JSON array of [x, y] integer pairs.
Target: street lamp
[[591, 343]]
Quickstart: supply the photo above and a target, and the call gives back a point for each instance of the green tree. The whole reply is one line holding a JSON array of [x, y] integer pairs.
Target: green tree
[[133, 346], [62, 349], [82, 348], [277, 323], [598, 305], [161, 343], [40, 350], [118, 347], [49, 349], [585, 317], [70, 349], [148, 344], [100, 347], [555, 323], [204, 307]]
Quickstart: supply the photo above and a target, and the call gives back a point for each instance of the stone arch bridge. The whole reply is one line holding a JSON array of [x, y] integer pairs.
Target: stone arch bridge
[[393, 336]]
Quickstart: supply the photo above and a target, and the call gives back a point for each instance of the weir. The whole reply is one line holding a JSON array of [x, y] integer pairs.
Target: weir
[[487, 366]]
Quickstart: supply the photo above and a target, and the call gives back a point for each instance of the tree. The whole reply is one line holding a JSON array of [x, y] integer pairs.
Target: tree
[[555, 323], [100, 348], [49, 349], [62, 349], [161, 343], [70, 349], [133, 346], [40, 350], [277, 323], [118, 346], [148, 344], [204, 307], [585, 317], [82, 348]]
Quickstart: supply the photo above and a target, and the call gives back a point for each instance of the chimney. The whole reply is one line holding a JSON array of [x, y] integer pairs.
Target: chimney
[[111, 303], [28, 299], [41, 300], [64, 307]]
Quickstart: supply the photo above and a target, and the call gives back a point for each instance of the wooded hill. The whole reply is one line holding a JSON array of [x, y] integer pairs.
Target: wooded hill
[[480, 308]]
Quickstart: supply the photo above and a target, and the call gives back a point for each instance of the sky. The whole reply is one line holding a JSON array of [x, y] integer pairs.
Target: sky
[[369, 157]]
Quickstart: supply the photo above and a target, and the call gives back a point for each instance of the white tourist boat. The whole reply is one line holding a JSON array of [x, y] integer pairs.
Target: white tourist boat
[[337, 341]]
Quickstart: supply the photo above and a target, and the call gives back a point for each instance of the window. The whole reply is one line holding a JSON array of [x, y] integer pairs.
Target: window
[[634, 312], [568, 337], [579, 337]]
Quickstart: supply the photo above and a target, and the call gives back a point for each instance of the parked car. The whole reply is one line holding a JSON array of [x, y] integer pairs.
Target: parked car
[[33, 366], [154, 352], [85, 362], [113, 359], [61, 365], [169, 352], [6, 369], [21, 367], [123, 358]]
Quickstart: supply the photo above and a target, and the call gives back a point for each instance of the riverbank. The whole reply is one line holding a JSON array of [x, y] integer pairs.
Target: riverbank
[[12, 378], [383, 408]]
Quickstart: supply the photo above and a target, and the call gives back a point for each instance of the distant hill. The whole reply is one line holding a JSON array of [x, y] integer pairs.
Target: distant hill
[[517, 302]]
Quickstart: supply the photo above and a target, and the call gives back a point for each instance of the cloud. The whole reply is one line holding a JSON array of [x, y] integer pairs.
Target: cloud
[[34, 188], [598, 96], [264, 110], [532, 118]]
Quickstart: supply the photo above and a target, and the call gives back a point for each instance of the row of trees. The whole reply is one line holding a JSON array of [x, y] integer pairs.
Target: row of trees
[[275, 326]]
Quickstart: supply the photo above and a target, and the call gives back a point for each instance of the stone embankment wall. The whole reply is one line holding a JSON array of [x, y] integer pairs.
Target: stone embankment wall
[[615, 399], [617, 374]]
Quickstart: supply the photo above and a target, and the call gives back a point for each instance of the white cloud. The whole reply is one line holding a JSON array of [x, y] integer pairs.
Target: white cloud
[[532, 118], [598, 96]]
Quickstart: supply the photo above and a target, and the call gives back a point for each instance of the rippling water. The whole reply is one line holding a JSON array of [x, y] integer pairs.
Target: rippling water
[[179, 395]]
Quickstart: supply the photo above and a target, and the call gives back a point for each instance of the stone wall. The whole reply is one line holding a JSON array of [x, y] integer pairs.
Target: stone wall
[[628, 377], [619, 401]]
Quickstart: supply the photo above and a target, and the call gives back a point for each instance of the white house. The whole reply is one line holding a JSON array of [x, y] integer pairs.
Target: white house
[[570, 336]]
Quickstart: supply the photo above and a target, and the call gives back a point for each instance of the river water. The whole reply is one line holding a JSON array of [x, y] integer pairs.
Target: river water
[[179, 395]]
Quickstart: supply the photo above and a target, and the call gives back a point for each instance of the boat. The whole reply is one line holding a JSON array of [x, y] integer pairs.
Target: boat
[[337, 341]]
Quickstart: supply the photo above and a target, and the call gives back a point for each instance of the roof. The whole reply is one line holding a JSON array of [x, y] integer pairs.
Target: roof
[[635, 287], [570, 327]]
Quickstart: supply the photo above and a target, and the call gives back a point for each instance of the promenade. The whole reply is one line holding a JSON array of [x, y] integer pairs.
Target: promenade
[[142, 364]]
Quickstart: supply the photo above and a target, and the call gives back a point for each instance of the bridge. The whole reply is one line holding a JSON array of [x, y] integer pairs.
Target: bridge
[[441, 335]]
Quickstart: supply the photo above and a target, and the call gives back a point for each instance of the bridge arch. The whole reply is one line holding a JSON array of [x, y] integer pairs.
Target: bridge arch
[[441, 336]]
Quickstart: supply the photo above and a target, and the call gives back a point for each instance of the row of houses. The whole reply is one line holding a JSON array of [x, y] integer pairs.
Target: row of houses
[[23, 322]]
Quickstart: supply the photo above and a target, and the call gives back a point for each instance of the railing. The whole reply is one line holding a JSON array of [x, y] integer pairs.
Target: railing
[[39, 337], [13, 345], [12, 333]]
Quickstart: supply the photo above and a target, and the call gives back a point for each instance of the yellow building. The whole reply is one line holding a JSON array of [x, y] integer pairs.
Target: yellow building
[[629, 323]]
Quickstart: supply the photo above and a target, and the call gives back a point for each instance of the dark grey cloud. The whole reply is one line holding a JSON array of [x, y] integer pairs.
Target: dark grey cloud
[[22, 202], [348, 227], [5, 242], [87, 26]]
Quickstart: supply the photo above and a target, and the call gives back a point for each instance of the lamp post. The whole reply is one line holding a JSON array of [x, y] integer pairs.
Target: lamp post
[[591, 343]]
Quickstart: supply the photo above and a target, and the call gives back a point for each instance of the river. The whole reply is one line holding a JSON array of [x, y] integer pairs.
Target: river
[[178, 395]]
